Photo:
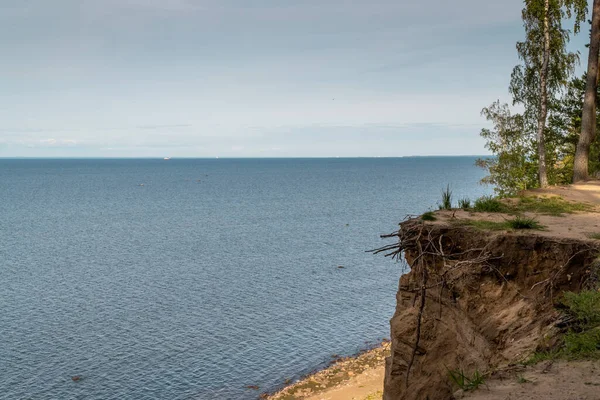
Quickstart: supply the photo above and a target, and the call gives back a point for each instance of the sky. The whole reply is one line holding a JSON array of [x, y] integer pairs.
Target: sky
[[252, 78]]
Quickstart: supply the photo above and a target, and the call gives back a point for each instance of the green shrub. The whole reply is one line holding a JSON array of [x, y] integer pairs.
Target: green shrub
[[583, 344], [488, 204]]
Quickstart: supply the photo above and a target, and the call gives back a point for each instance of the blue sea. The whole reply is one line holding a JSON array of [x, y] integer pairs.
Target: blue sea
[[193, 278]]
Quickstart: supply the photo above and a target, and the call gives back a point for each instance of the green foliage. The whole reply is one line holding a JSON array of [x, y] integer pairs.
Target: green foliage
[[595, 235], [525, 79], [513, 167], [446, 199], [428, 216], [465, 382], [523, 223], [464, 203], [582, 341], [488, 204], [521, 379]]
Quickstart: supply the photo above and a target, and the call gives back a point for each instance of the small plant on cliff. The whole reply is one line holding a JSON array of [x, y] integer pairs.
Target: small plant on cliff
[[488, 204], [375, 396], [585, 306], [428, 216], [464, 203], [465, 382], [523, 223], [446, 199]]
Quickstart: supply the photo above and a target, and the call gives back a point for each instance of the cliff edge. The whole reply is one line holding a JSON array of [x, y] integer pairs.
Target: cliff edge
[[483, 288]]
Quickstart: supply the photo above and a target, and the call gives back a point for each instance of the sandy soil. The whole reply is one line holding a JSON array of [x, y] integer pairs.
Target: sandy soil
[[359, 378], [368, 385], [546, 381]]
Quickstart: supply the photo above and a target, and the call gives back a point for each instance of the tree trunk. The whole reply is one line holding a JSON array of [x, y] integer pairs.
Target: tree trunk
[[543, 112], [588, 117]]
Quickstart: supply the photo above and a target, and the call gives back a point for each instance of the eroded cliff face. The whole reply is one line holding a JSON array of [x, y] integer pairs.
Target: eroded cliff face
[[475, 300]]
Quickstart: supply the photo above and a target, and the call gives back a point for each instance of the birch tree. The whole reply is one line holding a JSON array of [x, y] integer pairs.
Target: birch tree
[[546, 66]]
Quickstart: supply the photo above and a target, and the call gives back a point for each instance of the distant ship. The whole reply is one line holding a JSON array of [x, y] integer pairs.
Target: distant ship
[[167, 158]]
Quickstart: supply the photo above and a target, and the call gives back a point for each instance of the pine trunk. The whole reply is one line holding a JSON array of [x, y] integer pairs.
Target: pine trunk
[[588, 117], [543, 112]]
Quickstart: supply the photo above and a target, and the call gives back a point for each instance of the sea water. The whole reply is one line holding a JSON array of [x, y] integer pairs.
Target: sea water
[[194, 278]]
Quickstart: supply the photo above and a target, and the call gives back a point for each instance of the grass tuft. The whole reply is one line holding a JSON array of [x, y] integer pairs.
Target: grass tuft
[[465, 382], [488, 204], [523, 223], [446, 199], [464, 203]]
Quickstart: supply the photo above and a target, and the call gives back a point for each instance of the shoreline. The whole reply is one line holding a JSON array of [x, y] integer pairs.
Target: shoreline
[[360, 375]]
